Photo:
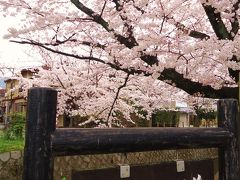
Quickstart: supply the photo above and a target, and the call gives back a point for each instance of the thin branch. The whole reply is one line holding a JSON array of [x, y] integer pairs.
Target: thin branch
[[169, 74], [104, 5], [112, 65], [161, 27], [79, 19], [58, 42], [60, 81], [115, 99], [31, 42]]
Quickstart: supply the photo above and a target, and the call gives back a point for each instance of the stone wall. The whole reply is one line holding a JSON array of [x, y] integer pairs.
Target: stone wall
[[63, 166], [11, 165]]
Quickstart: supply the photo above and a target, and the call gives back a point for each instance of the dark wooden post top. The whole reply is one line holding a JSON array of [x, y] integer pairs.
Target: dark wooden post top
[[41, 120], [229, 156]]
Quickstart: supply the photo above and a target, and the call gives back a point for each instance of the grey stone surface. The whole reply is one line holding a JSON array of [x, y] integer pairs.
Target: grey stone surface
[[11, 165], [64, 165], [5, 156], [16, 154]]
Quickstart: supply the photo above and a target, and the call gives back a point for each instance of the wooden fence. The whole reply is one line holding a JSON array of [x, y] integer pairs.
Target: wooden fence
[[44, 141]]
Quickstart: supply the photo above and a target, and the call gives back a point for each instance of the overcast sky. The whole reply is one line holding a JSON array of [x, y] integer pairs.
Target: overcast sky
[[12, 54]]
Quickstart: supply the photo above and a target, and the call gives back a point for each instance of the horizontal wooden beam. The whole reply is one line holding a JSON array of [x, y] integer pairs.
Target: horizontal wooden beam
[[119, 140]]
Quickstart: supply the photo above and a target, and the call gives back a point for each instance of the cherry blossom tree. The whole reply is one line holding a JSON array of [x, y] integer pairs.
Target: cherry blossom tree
[[111, 56], [95, 91]]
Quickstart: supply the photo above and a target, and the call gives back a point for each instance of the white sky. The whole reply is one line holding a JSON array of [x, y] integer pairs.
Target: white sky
[[12, 54]]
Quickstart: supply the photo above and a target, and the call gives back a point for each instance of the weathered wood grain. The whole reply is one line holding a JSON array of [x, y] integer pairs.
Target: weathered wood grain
[[229, 156], [41, 120], [95, 141]]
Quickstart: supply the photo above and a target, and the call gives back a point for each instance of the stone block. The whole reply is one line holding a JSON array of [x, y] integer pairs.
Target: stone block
[[16, 154], [5, 156]]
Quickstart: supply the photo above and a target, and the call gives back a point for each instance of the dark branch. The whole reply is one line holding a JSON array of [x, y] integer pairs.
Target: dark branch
[[234, 73], [96, 17], [116, 97], [116, 66], [104, 5], [127, 41], [87, 43], [222, 32], [198, 35], [149, 59], [216, 22], [31, 42], [169, 74], [59, 42], [190, 32], [235, 22], [196, 88], [118, 6]]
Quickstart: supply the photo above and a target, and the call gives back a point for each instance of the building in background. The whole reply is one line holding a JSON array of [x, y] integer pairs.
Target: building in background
[[178, 114], [15, 102]]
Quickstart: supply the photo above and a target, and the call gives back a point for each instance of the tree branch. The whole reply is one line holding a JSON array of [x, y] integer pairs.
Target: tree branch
[[196, 88], [127, 41], [169, 75], [96, 17], [115, 99], [216, 22], [112, 65], [235, 22], [186, 30], [104, 5], [234, 73], [222, 32]]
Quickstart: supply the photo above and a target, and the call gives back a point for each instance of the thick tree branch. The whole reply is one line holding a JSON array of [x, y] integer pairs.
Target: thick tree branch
[[196, 88], [118, 6], [169, 75], [128, 41], [222, 32], [216, 22], [186, 30], [234, 73], [128, 28], [96, 17], [198, 35]]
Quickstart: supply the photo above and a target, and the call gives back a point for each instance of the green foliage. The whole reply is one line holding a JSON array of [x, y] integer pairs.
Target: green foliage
[[195, 121], [63, 178], [206, 113], [165, 118], [140, 118], [16, 127], [10, 145]]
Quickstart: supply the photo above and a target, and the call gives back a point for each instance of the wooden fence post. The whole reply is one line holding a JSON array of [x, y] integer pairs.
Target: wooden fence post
[[41, 122], [229, 156]]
